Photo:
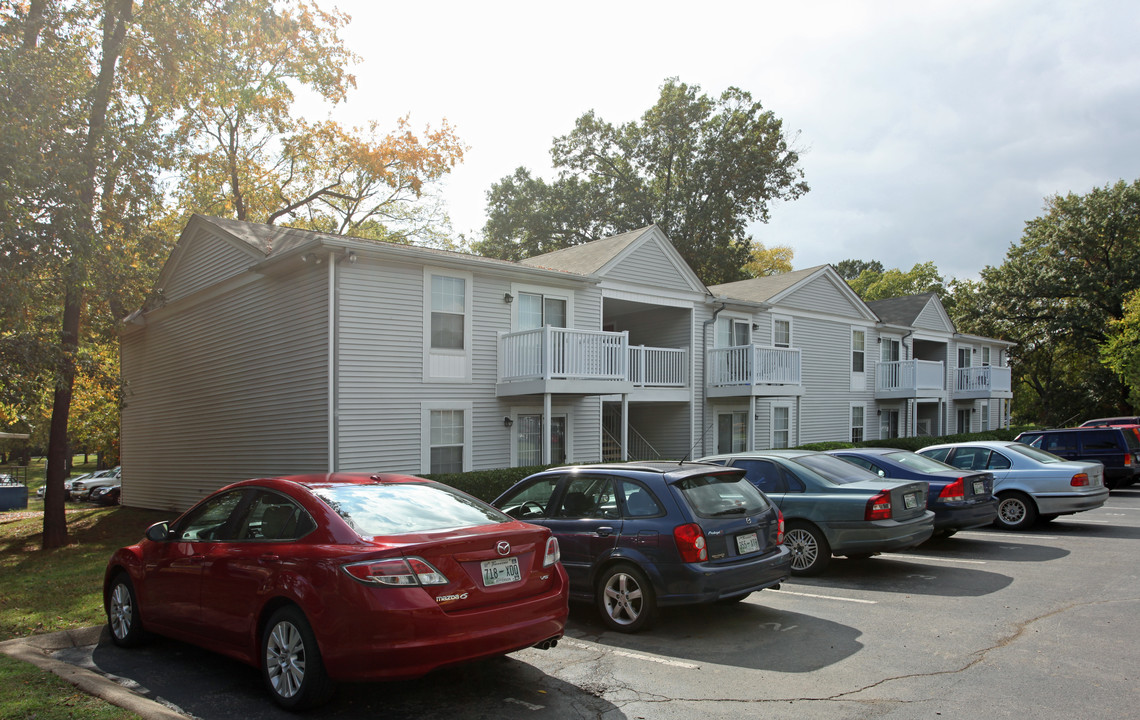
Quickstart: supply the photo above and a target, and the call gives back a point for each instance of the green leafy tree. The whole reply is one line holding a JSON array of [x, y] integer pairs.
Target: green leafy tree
[[701, 168], [851, 269], [1121, 351], [1060, 294], [922, 278]]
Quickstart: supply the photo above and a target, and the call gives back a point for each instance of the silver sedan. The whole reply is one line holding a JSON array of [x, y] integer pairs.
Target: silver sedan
[[1030, 484]]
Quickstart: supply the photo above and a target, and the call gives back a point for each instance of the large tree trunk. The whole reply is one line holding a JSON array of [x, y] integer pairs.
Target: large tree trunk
[[117, 16]]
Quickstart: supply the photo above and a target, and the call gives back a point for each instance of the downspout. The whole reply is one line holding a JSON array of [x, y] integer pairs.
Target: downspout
[[332, 364], [705, 370]]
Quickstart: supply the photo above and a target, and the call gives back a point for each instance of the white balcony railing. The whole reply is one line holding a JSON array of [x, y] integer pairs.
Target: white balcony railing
[[551, 353], [658, 367], [984, 378], [909, 375], [754, 365]]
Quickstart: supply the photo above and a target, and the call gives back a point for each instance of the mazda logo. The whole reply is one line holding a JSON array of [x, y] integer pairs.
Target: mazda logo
[[503, 547]]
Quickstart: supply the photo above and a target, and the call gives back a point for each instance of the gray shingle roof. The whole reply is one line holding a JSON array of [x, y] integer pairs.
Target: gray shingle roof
[[762, 289], [901, 310], [587, 258]]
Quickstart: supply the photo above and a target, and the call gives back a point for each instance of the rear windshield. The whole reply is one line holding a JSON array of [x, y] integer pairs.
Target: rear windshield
[[401, 509], [833, 469], [921, 463], [721, 495], [1040, 456]]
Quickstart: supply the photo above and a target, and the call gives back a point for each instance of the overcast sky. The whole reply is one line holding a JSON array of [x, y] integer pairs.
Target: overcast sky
[[929, 130]]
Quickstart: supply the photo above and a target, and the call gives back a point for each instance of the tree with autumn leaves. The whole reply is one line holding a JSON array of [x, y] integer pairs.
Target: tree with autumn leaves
[[103, 102]]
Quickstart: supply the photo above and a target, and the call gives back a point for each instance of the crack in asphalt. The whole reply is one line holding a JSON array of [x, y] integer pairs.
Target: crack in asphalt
[[979, 656]]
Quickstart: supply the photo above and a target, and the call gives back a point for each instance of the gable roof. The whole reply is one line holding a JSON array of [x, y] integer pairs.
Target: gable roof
[[772, 289], [901, 310]]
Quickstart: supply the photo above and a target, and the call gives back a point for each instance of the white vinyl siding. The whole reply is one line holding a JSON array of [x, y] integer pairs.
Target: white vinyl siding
[[649, 265], [204, 261]]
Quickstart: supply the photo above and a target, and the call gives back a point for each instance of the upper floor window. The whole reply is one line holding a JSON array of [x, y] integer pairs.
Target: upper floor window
[[448, 312], [890, 349], [733, 332], [963, 357], [782, 332], [985, 356], [858, 350], [537, 310]]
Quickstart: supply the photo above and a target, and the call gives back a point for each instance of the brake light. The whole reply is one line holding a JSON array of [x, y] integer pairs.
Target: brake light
[[954, 492], [779, 527], [691, 543], [1079, 480], [1127, 459], [879, 507], [395, 572], [553, 554]]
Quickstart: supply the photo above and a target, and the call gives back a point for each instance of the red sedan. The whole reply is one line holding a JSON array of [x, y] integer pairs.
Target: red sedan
[[322, 578]]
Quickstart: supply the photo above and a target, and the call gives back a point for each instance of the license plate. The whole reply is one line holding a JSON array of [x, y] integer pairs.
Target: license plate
[[979, 487], [747, 543], [497, 572], [910, 501]]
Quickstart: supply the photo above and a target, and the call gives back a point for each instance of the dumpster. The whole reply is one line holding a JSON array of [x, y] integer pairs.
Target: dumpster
[[13, 497]]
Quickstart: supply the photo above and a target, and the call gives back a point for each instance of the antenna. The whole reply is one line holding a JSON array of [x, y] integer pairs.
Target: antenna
[[700, 442]]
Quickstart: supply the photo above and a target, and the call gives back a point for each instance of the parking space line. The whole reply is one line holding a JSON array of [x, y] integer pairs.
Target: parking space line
[[823, 597], [1006, 538], [1089, 522], [633, 655], [935, 559]]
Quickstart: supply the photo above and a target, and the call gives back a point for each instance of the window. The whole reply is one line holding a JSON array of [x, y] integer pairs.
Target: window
[[964, 420], [732, 332], [985, 416], [533, 500], [210, 520], [445, 439], [537, 310], [731, 432], [985, 356], [448, 312], [639, 500], [858, 345], [764, 474], [890, 348], [963, 357], [274, 517], [529, 439], [589, 496], [781, 426], [782, 332], [857, 413]]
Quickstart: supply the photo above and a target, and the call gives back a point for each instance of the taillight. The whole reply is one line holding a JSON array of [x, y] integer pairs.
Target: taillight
[[396, 572], [954, 492], [1127, 459], [879, 507], [553, 554], [691, 543], [1079, 480], [779, 527]]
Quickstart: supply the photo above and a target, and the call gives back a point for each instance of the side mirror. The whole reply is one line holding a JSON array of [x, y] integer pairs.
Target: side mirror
[[159, 532]]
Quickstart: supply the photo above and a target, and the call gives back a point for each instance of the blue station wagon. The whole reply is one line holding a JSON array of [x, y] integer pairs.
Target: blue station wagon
[[639, 536]]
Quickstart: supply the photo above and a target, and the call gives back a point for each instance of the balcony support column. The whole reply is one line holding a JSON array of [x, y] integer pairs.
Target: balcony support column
[[751, 444], [546, 428], [625, 427]]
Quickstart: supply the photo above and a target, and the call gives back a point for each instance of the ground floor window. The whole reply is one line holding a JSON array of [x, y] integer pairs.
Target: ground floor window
[[964, 420], [856, 423], [781, 426], [530, 439], [446, 437], [731, 432], [985, 416], [889, 424]]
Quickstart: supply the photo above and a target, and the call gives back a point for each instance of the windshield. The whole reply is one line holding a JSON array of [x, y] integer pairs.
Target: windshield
[[404, 508], [921, 463], [721, 495], [1035, 454], [833, 469]]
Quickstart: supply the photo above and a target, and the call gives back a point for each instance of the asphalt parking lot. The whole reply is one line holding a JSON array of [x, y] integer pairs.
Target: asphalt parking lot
[[1037, 624]]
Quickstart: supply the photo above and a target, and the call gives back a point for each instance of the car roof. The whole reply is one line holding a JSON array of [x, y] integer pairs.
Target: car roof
[[992, 444], [869, 450], [671, 469]]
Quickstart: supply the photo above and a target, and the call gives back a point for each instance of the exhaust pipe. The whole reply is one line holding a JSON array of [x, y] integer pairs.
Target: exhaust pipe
[[548, 643]]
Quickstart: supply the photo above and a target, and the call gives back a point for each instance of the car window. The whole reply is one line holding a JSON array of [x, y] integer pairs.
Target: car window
[[272, 516], [921, 463], [588, 496], [639, 501], [1058, 443], [863, 463], [764, 474], [531, 501], [1033, 453], [998, 461], [937, 453], [1100, 441], [208, 521], [833, 469], [718, 495], [970, 458], [404, 508]]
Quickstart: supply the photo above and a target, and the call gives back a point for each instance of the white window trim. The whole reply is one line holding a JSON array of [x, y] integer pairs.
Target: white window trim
[[969, 354], [851, 355], [850, 423], [555, 410], [884, 342], [546, 292], [735, 317], [772, 424], [425, 430], [984, 411], [982, 353], [468, 322], [791, 330]]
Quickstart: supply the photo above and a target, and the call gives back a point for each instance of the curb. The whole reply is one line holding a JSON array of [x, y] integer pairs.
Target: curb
[[36, 650]]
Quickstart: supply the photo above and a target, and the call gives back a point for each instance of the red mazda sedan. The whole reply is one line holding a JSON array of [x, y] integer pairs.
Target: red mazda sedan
[[320, 578]]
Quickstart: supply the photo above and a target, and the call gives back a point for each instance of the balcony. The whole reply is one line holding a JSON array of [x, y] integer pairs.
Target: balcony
[[754, 370], [584, 362], [909, 379], [986, 381]]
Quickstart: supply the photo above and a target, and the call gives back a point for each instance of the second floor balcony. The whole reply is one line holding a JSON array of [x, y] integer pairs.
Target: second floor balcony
[[984, 381], [585, 362], [909, 379], [754, 370]]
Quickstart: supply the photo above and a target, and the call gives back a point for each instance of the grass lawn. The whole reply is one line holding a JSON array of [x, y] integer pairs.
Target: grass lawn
[[46, 591]]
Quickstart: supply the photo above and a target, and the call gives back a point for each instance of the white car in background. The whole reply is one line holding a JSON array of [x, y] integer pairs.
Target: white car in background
[[1029, 484], [81, 489]]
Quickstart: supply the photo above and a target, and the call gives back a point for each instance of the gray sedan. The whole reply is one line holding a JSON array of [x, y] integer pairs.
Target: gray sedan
[[832, 507], [1030, 484]]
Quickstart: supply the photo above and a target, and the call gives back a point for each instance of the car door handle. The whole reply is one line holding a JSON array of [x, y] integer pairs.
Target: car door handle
[[604, 531], [269, 559]]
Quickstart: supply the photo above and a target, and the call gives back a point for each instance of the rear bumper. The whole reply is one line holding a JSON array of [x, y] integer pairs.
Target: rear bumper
[[878, 535], [1066, 503], [696, 583], [963, 515], [389, 646]]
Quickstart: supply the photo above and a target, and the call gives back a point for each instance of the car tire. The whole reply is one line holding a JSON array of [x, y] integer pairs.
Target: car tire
[[291, 663], [1015, 511], [625, 599], [123, 613], [810, 550]]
